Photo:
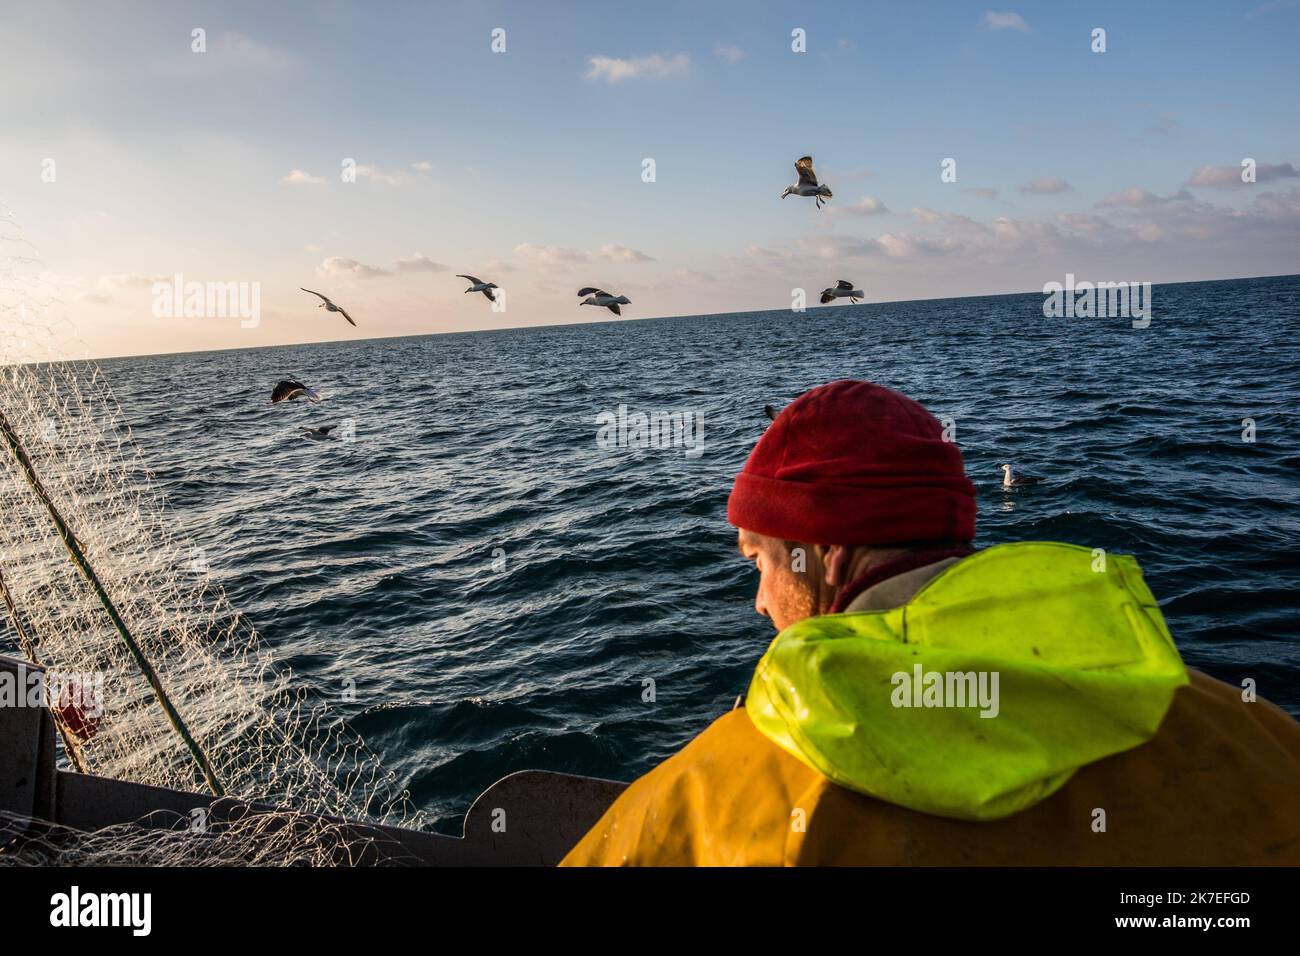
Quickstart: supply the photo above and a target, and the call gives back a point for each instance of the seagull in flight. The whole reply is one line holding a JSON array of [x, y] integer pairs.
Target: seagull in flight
[[807, 184], [1010, 479], [290, 389], [319, 434], [843, 290], [480, 286], [330, 306], [600, 297]]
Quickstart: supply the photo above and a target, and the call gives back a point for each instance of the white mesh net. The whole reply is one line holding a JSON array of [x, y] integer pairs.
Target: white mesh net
[[66, 454]]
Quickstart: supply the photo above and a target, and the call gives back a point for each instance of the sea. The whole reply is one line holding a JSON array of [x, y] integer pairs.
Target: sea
[[506, 587]]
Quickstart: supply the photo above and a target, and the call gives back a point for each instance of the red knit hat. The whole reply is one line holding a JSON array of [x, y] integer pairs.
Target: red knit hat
[[854, 463]]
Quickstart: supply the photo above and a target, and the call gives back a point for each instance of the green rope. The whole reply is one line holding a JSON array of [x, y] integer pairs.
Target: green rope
[[83, 565]]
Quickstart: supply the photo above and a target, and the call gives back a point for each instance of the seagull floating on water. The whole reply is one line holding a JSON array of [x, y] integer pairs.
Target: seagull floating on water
[[290, 389], [1010, 479], [600, 297], [843, 290], [807, 184], [480, 286], [770, 411], [330, 306], [319, 434]]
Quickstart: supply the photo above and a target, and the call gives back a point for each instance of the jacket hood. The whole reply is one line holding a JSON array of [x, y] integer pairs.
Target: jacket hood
[[984, 693]]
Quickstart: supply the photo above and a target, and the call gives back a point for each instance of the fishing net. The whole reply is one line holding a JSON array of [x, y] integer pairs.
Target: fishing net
[[177, 689]]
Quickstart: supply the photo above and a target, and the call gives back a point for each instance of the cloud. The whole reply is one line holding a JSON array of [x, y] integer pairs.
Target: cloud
[[1221, 177], [728, 53], [614, 70], [620, 253], [418, 262], [1005, 21], [1135, 197], [423, 166], [1045, 186], [375, 174], [926, 215], [298, 177], [549, 255], [336, 267], [984, 192], [867, 206]]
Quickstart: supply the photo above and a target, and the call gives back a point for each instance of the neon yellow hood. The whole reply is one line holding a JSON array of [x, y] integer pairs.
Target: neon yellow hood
[[1068, 646]]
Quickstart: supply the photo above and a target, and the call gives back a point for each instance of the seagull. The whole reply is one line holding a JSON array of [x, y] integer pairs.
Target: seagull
[[289, 389], [600, 297], [330, 306], [807, 184], [1012, 480], [319, 434], [480, 286], [843, 290]]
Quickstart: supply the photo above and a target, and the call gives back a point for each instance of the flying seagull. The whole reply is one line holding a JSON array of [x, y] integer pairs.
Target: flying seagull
[[807, 184], [330, 306], [1012, 480], [480, 286], [289, 389], [600, 297], [318, 434], [843, 290]]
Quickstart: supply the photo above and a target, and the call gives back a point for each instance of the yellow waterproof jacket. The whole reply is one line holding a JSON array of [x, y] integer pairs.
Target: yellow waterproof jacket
[[1098, 748]]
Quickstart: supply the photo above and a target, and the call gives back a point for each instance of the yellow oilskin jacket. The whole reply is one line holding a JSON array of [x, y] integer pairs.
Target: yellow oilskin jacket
[[1024, 706]]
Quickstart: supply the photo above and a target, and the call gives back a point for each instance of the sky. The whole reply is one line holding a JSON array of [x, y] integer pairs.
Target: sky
[[130, 158]]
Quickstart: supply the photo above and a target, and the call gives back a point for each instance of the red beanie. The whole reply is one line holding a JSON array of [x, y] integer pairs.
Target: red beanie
[[854, 463]]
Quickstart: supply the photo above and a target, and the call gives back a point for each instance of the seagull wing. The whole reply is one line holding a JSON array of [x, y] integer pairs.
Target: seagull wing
[[591, 290], [314, 293], [613, 307], [488, 292], [804, 168], [326, 429], [843, 284], [827, 296], [624, 300], [344, 313], [470, 278], [286, 389]]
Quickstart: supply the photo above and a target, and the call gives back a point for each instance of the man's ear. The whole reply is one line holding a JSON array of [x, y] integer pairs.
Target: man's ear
[[835, 559]]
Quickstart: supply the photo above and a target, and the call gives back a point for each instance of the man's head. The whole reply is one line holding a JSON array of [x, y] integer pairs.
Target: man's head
[[849, 476]]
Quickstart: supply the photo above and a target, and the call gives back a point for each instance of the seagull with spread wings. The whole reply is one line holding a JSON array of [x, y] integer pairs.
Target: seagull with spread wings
[[478, 285], [330, 306], [601, 297], [843, 290], [807, 184]]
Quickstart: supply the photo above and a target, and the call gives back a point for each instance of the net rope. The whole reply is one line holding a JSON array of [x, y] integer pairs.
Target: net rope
[[267, 738]]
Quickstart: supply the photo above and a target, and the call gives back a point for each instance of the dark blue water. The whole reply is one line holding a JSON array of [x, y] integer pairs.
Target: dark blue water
[[374, 560]]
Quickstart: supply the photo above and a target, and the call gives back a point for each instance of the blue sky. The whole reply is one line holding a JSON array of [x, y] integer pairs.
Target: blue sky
[[525, 166]]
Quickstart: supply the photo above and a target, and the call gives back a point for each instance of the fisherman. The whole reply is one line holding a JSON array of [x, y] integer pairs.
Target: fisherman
[[926, 703]]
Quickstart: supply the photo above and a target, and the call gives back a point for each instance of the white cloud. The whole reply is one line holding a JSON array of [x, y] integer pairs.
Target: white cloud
[[299, 177], [549, 255], [613, 69], [337, 267], [423, 166], [1140, 197], [620, 253], [1047, 185], [984, 192], [728, 53], [1005, 21], [1219, 177], [866, 206], [418, 262], [374, 173]]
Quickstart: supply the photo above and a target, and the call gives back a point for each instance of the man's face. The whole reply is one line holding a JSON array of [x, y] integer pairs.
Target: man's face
[[785, 595]]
